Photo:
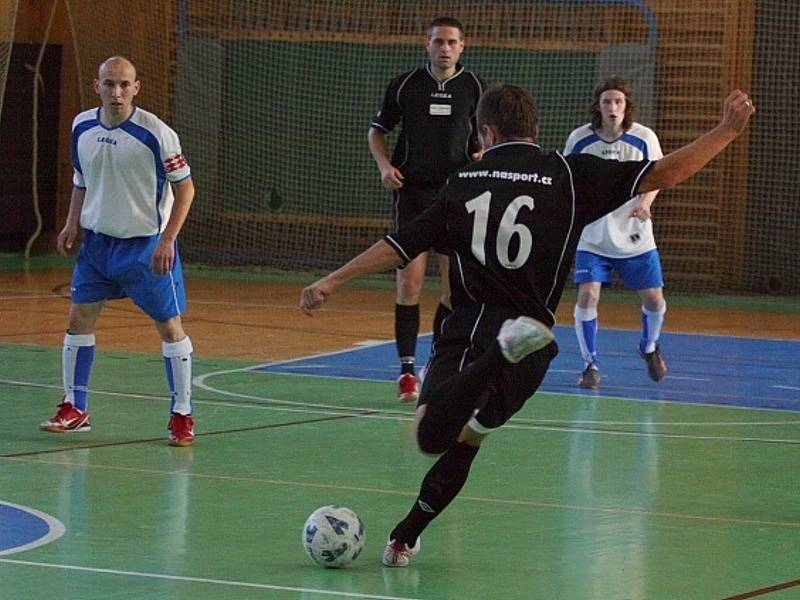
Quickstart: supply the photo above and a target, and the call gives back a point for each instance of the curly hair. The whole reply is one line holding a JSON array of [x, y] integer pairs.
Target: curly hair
[[612, 83]]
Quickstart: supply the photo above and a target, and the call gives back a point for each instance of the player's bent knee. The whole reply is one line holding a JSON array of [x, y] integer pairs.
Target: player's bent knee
[[430, 439], [409, 294], [432, 447], [171, 330]]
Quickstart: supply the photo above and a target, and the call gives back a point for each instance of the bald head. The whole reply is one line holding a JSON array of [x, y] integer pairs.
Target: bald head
[[115, 63], [116, 84]]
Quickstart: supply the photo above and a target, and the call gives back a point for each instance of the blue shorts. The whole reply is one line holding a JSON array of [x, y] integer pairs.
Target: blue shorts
[[638, 272], [110, 268]]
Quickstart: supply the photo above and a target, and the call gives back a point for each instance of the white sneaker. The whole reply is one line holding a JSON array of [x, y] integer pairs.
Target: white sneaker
[[399, 555], [523, 336]]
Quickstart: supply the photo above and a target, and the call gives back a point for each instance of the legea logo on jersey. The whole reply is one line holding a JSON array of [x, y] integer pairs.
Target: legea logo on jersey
[[610, 152], [107, 140], [441, 95]]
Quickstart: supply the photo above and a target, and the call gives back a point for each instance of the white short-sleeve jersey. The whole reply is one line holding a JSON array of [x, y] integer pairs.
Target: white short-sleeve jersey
[[126, 171], [617, 235]]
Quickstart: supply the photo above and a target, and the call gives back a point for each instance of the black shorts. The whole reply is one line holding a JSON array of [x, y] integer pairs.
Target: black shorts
[[466, 334], [412, 200]]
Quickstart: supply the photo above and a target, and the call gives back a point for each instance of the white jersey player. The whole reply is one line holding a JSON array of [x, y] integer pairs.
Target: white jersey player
[[126, 163], [622, 241], [139, 202]]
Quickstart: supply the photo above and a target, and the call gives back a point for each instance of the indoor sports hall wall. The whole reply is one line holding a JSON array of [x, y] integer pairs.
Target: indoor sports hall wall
[[273, 100]]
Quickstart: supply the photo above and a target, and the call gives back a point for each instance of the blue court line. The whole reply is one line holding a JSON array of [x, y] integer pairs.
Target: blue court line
[[703, 369]]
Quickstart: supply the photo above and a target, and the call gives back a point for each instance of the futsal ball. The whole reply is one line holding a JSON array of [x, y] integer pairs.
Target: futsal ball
[[333, 536]]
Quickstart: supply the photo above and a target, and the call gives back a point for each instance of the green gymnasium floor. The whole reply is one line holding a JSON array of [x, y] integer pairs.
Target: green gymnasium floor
[[580, 498]]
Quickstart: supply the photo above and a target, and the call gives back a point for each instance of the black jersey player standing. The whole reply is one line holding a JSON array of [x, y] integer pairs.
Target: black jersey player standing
[[436, 105], [512, 222]]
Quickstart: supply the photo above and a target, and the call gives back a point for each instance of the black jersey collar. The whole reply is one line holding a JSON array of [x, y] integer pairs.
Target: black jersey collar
[[513, 143], [442, 83]]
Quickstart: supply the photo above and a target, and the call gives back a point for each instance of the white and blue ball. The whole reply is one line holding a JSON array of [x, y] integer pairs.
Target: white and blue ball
[[333, 536]]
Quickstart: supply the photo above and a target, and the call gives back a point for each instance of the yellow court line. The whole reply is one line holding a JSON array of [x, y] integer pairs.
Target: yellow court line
[[413, 494]]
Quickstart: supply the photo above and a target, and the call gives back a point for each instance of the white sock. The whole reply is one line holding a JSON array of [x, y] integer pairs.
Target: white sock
[[178, 363], [77, 356], [652, 322], [586, 332]]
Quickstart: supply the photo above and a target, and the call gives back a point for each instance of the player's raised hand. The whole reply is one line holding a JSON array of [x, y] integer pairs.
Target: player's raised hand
[[737, 111], [314, 296]]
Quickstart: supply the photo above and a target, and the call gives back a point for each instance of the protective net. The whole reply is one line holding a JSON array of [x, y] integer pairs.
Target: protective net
[[273, 100], [8, 19]]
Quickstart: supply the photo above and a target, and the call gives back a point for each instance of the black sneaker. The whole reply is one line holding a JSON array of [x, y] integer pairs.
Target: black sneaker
[[590, 378], [656, 365]]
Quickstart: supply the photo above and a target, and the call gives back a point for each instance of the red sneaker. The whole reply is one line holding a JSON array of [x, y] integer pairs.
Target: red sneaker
[[67, 419], [407, 388], [181, 430]]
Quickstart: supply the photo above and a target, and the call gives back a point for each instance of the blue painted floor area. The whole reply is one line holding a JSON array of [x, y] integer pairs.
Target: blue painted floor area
[[19, 527], [705, 369]]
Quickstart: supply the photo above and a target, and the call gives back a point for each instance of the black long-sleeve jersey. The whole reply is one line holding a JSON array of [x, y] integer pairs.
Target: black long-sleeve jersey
[[513, 221], [438, 133]]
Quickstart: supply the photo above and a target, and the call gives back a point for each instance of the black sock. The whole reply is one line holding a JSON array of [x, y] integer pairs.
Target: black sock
[[406, 330], [442, 312], [441, 485], [453, 402]]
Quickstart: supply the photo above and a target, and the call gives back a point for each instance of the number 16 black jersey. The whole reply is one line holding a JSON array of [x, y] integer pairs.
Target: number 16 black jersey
[[513, 221]]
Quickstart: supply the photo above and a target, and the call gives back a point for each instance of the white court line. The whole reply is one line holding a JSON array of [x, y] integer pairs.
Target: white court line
[[274, 403], [389, 415], [224, 582], [661, 423], [200, 382], [676, 377], [786, 387], [685, 378]]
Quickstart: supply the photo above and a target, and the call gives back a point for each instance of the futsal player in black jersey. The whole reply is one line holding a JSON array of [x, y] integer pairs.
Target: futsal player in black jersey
[[512, 222], [436, 105]]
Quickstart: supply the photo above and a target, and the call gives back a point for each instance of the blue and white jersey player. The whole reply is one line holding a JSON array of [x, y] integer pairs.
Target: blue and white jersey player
[[623, 240], [127, 162]]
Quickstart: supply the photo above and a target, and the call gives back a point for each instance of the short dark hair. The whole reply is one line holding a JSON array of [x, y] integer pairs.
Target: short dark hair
[[511, 109], [615, 82], [445, 22]]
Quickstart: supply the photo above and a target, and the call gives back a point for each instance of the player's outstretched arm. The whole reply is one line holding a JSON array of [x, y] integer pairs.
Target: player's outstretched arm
[[378, 257], [678, 166]]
